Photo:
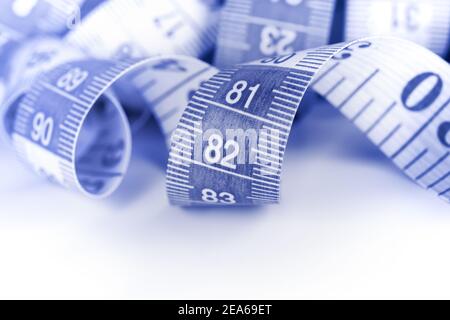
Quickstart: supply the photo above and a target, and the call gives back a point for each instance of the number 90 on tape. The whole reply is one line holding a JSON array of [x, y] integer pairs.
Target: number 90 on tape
[[70, 126]]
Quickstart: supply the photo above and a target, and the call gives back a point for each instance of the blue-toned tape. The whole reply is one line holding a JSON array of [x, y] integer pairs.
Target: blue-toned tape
[[62, 105], [424, 22], [70, 103], [70, 127], [252, 29]]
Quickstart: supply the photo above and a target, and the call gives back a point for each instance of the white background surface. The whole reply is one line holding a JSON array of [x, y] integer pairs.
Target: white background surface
[[350, 226]]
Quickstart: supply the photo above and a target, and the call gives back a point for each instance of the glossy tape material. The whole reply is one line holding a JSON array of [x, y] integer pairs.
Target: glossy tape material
[[70, 126], [185, 27], [254, 29], [22, 18], [30, 60], [251, 29], [63, 111], [161, 27], [424, 22], [229, 146], [70, 119]]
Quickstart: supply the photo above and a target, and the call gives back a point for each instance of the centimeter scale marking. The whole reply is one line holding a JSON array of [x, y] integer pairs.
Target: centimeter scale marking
[[253, 29], [51, 116], [182, 27], [70, 126], [185, 75], [351, 78]]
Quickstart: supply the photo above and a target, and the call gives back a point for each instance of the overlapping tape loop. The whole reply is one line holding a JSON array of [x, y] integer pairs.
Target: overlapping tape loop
[[72, 103]]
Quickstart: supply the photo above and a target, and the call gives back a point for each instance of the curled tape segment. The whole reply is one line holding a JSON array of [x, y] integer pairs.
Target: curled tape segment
[[23, 18], [185, 27], [424, 22], [71, 127], [252, 29], [64, 110], [229, 146]]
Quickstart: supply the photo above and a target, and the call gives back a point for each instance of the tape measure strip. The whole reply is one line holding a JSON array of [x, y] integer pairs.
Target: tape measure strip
[[70, 127], [48, 127], [178, 27], [229, 146], [69, 124], [272, 135], [22, 18], [253, 29]]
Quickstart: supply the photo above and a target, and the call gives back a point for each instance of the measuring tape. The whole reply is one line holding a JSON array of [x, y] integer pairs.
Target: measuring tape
[[229, 146], [71, 102]]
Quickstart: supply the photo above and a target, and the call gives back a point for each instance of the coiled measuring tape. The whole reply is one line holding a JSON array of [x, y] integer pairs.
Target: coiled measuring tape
[[424, 22], [63, 116], [21, 19], [229, 142]]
